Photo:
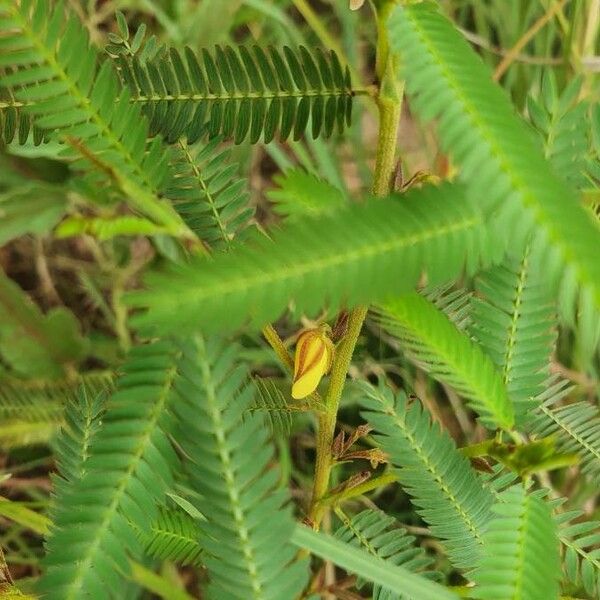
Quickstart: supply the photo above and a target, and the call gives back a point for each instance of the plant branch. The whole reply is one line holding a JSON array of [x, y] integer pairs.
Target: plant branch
[[514, 52], [359, 490], [327, 420], [389, 103], [385, 163], [527, 59], [278, 346]]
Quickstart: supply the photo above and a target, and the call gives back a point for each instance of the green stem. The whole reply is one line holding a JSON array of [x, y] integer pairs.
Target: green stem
[[385, 164], [200, 96], [476, 450], [389, 104], [121, 314], [327, 420], [278, 346], [359, 490]]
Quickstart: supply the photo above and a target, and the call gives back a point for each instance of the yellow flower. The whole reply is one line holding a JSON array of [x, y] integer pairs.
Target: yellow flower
[[314, 353]]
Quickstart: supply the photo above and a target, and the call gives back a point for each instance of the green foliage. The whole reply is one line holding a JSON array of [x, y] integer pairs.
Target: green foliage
[[560, 120], [15, 123], [32, 344], [529, 457], [33, 209], [379, 535], [581, 551], [246, 536], [122, 42], [148, 231], [360, 254], [68, 96], [21, 514], [127, 469], [160, 585], [16, 433], [270, 402], [241, 93], [514, 321], [499, 161], [359, 561], [520, 557], [454, 303], [448, 354], [567, 125], [301, 193], [576, 426], [37, 400], [81, 422], [82, 417], [208, 194], [439, 479], [105, 228], [173, 535], [32, 410]]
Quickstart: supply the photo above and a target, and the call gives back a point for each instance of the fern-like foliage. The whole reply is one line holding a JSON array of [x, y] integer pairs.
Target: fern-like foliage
[[173, 535], [445, 489], [31, 412], [576, 427], [129, 468], [31, 208], [514, 320], [303, 194], [581, 551], [72, 446], [579, 540], [15, 122], [521, 559], [55, 73], [15, 433], [566, 125], [454, 303], [448, 354], [39, 399], [248, 528], [208, 194], [559, 118], [499, 161], [25, 400], [272, 404], [356, 255], [378, 534], [498, 480], [241, 93]]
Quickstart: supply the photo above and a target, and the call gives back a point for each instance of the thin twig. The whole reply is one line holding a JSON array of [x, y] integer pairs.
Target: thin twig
[[514, 52], [278, 346], [528, 59], [574, 376], [334, 499], [43, 272]]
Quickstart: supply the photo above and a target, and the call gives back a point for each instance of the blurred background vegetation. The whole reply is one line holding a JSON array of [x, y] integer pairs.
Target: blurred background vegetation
[[62, 319]]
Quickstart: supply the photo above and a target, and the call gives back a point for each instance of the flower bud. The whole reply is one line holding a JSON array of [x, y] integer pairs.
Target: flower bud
[[314, 354]]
